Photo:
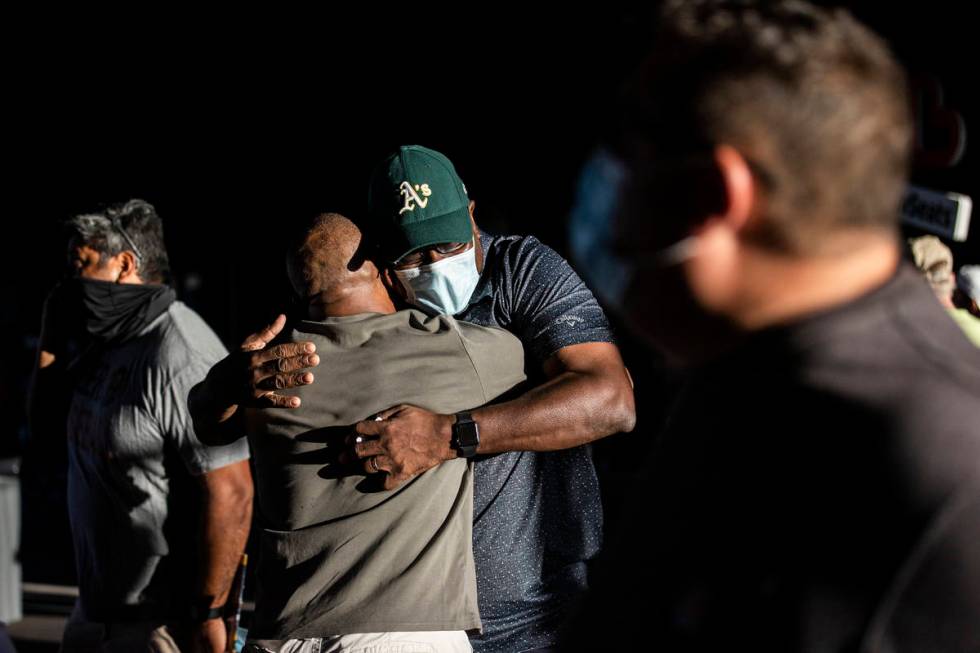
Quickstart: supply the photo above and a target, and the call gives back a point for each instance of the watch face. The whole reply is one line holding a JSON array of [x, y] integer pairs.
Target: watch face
[[467, 434]]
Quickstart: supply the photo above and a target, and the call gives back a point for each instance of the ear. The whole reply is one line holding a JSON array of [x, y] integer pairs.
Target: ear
[[128, 268], [712, 276], [472, 207], [737, 185], [392, 283]]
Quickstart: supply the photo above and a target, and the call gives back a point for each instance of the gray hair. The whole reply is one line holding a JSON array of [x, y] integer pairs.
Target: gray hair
[[131, 226]]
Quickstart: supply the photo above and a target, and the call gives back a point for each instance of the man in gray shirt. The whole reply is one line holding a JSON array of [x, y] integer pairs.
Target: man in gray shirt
[[346, 563], [159, 520]]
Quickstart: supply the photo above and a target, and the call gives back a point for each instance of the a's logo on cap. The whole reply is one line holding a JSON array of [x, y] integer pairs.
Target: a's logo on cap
[[411, 195]]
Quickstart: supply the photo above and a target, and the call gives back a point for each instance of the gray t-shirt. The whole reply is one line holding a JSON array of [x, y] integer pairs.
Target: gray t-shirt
[[132, 454], [341, 555]]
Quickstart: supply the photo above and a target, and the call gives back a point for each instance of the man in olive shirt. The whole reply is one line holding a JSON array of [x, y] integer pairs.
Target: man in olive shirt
[[342, 556]]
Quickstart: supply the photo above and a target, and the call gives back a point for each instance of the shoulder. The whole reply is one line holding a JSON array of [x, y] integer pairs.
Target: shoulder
[[518, 252], [904, 368], [187, 344], [354, 330], [485, 336], [519, 267]]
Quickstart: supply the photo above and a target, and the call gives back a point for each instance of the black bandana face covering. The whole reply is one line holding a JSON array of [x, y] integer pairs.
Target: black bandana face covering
[[114, 312]]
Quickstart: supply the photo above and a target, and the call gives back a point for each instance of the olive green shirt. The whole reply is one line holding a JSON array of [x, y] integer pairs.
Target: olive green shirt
[[340, 555]]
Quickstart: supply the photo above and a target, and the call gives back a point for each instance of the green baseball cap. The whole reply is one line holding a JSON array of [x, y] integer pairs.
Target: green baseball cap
[[416, 199]]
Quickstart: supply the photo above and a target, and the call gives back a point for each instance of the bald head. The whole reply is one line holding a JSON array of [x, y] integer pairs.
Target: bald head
[[326, 267]]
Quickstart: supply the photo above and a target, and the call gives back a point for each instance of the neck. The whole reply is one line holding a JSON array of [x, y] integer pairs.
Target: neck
[[354, 303], [779, 288]]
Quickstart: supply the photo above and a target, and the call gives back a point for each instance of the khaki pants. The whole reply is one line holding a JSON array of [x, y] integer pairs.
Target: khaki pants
[[443, 641]]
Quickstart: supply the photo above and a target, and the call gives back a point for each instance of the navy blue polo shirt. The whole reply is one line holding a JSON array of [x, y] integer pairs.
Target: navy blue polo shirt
[[537, 515]]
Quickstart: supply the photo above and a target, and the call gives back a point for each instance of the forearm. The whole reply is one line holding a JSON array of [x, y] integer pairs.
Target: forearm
[[570, 409], [589, 396], [250, 377], [227, 515]]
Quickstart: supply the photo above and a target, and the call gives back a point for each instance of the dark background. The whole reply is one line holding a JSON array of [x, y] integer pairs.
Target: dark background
[[237, 125]]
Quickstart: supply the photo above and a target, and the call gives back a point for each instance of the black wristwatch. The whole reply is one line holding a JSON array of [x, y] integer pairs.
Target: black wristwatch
[[466, 435]]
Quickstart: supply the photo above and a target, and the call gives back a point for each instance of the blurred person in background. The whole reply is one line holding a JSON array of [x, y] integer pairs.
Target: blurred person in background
[[967, 293], [934, 261]]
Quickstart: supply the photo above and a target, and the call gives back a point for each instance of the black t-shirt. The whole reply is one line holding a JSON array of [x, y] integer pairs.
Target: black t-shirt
[[816, 490], [537, 516]]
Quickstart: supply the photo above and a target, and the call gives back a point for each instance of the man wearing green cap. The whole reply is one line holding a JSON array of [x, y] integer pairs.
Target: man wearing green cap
[[536, 501], [536, 504]]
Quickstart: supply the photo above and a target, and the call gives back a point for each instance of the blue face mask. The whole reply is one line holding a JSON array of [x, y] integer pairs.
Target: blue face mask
[[444, 286]]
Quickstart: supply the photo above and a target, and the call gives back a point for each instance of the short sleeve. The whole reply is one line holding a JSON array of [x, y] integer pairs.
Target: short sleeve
[[178, 428], [551, 307]]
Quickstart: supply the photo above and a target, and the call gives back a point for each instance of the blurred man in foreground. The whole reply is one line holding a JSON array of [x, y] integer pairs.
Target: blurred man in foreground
[[818, 486]]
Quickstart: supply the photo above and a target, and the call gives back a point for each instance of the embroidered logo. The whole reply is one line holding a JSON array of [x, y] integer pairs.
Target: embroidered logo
[[411, 195], [570, 320]]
